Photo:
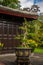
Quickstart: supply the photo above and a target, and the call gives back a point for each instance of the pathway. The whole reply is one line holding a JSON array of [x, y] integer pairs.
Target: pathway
[[36, 59]]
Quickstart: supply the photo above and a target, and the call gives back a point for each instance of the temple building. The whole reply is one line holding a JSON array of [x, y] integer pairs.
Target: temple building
[[10, 20]]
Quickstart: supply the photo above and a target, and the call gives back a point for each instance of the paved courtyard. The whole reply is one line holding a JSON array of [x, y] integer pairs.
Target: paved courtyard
[[36, 59]]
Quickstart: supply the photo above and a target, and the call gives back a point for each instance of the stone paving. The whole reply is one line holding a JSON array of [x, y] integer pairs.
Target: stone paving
[[36, 59], [8, 57]]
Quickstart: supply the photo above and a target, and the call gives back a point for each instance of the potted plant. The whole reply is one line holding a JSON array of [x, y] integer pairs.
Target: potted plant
[[23, 50]]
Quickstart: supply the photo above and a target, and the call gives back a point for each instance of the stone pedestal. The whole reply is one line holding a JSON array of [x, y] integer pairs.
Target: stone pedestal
[[23, 61], [23, 56]]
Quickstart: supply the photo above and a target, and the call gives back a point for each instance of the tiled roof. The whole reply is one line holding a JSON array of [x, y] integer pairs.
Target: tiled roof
[[17, 12]]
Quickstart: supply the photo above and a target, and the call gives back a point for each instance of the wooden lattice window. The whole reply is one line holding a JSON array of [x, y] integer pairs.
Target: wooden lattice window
[[7, 33]]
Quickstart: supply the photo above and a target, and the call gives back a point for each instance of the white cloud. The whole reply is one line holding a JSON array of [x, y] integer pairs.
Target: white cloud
[[41, 6], [22, 1], [26, 3]]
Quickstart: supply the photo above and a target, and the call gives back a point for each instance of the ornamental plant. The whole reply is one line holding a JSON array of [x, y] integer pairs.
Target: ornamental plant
[[32, 43], [25, 42]]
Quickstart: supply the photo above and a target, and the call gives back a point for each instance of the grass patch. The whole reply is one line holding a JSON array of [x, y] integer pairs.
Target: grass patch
[[38, 50]]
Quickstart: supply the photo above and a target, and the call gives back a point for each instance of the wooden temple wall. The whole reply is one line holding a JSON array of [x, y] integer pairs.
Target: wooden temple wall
[[8, 30]]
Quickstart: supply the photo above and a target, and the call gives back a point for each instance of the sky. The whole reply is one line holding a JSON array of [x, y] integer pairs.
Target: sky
[[29, 3]]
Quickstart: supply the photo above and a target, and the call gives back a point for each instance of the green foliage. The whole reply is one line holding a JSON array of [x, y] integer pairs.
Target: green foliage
[[10, 3], [23, 36], [36, 32], [33, 30], [38, 50], [32, 43], [25, 40]]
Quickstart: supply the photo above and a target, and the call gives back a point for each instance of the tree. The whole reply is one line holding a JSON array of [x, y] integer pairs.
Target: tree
[[26, 42], [10, 3], [36, 31]]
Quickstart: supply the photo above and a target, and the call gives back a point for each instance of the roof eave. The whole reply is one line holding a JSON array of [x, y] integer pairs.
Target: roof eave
[[16, 12]]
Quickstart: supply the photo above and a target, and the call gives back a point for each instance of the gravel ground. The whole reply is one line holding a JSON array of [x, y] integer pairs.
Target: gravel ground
[[36, 59]]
